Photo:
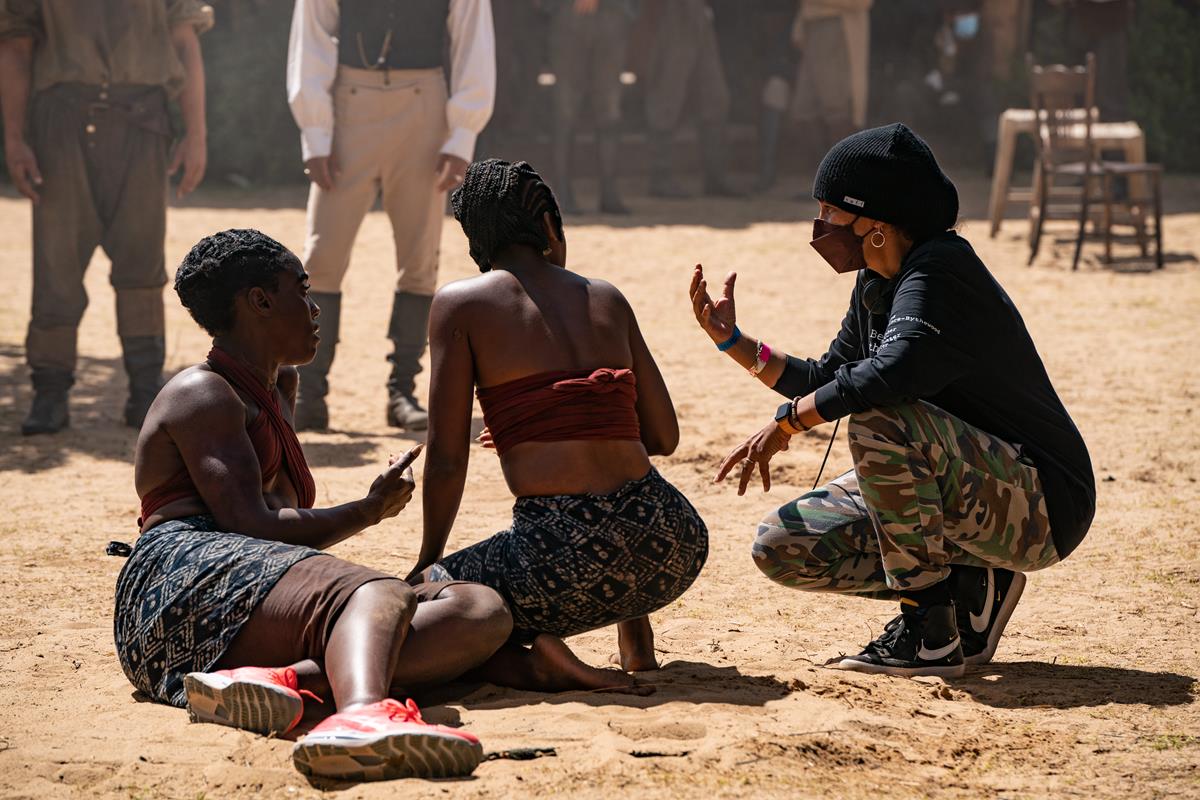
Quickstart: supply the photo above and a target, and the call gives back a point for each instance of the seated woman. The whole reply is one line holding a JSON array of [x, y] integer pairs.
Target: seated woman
[[227, 603], [968, 471], [574, 406]]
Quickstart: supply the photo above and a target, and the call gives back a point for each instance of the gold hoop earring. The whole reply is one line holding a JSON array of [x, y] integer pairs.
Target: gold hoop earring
[[882, 239]]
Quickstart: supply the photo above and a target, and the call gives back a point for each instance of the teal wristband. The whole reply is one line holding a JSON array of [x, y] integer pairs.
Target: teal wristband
[[731, 341]]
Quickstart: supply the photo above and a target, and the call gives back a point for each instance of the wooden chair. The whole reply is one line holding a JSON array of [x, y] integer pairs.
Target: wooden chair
[[1065, 120], [1062, 100], [1133, 207]]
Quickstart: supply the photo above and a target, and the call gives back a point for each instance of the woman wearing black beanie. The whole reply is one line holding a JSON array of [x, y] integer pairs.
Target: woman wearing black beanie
[[968, 471]]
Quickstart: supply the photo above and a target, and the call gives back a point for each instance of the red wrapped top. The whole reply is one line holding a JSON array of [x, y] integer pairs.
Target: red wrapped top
[[562, 406], [274, 441]]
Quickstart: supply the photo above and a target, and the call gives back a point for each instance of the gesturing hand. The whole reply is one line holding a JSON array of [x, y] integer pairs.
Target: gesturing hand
[[394, 488], [758, 449], [486, 441], [716, 319]]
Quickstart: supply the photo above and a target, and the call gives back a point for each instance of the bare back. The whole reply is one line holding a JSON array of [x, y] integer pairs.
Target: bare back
[[508, 326]]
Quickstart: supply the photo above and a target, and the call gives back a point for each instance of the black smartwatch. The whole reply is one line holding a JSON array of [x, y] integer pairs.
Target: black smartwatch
[[783, 418]]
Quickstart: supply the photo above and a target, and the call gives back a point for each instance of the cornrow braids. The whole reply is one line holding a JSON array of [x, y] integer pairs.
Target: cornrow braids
[[220, 266], [501, 204]]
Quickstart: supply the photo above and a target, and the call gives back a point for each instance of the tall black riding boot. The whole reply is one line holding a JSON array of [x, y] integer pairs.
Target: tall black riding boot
[[712, 150], [408, 330], [312, 414], [608, 149], [662, 163], [50, 411], [143, 356]]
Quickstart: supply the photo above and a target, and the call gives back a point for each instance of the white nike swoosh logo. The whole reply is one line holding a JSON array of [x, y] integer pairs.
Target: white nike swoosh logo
[[926, 654], [980, 622]]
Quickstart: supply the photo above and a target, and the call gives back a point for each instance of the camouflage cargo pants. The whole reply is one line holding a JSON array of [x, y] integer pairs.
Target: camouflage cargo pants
[[927, 491]]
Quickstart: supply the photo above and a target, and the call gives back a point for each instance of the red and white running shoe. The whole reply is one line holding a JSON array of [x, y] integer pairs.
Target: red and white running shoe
[[385, 740], [257, 699]]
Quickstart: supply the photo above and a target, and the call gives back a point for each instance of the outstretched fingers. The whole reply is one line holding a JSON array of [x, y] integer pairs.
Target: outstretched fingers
[[744, 479], [730, 460], [727, 292], [697, 276]]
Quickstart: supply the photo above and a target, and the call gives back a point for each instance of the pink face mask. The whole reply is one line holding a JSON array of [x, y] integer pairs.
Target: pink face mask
[[839, 245]]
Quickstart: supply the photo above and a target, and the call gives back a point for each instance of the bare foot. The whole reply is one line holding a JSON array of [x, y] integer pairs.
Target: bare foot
[[635, 639], [560, 670]]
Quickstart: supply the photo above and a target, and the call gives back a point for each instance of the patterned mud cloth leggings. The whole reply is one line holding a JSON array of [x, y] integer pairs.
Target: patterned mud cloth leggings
[[927, 491], [574, 563]]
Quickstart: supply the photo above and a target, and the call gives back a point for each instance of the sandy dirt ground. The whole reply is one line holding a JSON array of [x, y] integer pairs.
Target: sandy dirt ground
[[1093, 692]]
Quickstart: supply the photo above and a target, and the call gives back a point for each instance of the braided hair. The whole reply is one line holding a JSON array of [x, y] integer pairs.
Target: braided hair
[[501, 204], [220, 266]]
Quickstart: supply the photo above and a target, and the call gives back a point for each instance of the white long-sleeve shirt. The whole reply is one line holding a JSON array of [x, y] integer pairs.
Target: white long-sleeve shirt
[[313, 61]]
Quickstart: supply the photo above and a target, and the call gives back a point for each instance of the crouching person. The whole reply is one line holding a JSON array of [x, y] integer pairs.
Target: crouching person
[[968, 471]]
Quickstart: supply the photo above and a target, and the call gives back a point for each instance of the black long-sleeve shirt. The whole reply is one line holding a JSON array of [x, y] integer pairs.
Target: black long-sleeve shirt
[[944, 331]]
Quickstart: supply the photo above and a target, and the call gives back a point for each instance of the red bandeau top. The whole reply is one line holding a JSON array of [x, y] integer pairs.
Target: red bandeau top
[[274, 441], [589, 404]]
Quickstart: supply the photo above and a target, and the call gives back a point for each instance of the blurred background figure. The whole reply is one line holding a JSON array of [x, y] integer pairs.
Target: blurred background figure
[[1102, 27], [367, 87], [686, 64], [92, 151], [587, 54], [522, 28], [829, 99], [772, 31]]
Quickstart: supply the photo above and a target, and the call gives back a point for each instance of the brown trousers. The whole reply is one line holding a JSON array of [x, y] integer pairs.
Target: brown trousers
[[102, 152], [389, 128]]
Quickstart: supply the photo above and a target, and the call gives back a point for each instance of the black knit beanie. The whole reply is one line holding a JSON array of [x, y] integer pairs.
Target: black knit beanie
[[889, 174]]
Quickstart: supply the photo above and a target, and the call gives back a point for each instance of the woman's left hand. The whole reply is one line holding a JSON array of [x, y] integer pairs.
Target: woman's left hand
[[758, 449]]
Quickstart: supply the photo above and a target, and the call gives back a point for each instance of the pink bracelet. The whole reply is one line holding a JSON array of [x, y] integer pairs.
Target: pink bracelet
[[762, 355]]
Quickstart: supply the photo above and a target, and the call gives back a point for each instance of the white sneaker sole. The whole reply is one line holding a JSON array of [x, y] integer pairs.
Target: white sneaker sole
[[259, 707], [852, 665], [1005, 612], [386, 756]]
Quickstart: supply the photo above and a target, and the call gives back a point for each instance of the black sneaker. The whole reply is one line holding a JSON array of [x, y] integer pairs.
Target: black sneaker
[[985, 598], [921, 641]]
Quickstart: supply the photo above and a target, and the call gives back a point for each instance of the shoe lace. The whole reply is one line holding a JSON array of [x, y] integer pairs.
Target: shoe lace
[[883, 643], [291, 680], [403, 712]]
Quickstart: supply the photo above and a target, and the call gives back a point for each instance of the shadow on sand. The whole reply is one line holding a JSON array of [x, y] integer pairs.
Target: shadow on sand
[[677, 681], [97, 423], [1037, 684]]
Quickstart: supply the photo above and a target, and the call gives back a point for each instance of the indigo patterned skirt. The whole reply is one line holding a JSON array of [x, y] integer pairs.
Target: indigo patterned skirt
[[184, 594], [574, 563]]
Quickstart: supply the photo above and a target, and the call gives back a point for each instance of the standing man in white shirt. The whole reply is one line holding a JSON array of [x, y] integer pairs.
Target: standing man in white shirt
[[367, 88]]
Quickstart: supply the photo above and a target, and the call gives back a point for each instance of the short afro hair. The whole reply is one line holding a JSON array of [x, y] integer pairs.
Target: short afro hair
[[220, 266], [501, 204]]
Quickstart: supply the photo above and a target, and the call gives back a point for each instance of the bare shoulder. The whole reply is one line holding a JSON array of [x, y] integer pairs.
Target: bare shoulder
[[197, 390], [462, 296], [610, 296]]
